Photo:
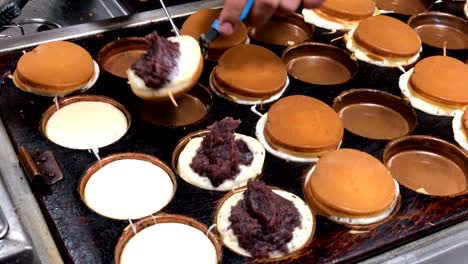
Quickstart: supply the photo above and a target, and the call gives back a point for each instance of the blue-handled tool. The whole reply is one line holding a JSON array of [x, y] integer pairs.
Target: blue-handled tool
[[207, 37]]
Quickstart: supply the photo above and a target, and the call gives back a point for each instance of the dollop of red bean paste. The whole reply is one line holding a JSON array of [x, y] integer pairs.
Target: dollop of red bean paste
[[263, 221], [220, 154], [157, 65]]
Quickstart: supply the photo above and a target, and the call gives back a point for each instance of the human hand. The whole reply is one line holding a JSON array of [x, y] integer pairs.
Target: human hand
[[260, 13]]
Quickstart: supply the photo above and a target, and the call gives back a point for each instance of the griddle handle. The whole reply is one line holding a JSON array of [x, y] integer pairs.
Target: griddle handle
[[41, 167]]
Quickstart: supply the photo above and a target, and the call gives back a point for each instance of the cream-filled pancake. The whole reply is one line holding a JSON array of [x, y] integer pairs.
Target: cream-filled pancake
[[171, 66], [301, 127], [351, 187], [56, 69], [384, 41], [169, 243], [86, 125], [436, 85], [201, 21], [286, 221], [340, 14], [128, 189], [221, 160], [249, 73]]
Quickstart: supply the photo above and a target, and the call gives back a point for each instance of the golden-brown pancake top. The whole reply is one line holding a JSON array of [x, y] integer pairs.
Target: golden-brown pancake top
[[201, 21], [352, 182], [349, 9], [387, 36], [251, 70], [304, 124], [442, 79], [58, 65]]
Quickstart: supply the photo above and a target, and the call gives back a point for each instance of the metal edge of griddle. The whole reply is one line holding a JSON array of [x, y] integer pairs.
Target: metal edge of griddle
[[93, 28], [26, 206]]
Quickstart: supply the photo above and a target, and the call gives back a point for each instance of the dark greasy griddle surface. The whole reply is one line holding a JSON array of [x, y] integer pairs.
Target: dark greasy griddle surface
[[85, 237]]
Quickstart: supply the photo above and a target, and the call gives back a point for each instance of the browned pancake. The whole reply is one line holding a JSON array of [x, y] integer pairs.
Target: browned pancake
[[201, 21], [348, 9], [351, 183], [251, 71], [303, 124], [55, 66], [442, 79], [388, 37]]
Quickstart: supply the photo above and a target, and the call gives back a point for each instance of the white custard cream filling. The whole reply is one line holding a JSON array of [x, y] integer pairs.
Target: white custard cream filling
[[187, 64], [311, 16], [128, 189], [246, 172], [169, 243], [458, 132], [301, 234], [466, 10], [363, 220], [423, 104], [259, 133], [362, 54], [243, 100], [86, 125]]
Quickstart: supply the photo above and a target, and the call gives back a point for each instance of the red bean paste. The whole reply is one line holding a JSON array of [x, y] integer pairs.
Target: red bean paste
[[220, 154], [156, 66], [263, 221]]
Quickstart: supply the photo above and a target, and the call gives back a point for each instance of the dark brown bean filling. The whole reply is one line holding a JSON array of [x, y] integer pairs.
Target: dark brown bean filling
[[220, 154], [156, 66], [263, 221]]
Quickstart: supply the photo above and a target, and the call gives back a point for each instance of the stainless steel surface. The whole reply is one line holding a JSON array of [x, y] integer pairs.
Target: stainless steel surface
[[15, 245], [23, 209], [447, 246], [92, 28], [174, 27], [3, 224]]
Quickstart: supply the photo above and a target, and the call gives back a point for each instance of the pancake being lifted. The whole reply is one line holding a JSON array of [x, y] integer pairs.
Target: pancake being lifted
[[384, 41], [201, 21], [437, 85], [55, 69], [340, 14], [171, 67]]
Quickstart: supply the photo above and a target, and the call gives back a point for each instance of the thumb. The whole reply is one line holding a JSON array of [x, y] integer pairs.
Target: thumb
[[230, 15]]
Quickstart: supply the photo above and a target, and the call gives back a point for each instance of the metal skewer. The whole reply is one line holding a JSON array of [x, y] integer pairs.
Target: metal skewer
[[176, 30]]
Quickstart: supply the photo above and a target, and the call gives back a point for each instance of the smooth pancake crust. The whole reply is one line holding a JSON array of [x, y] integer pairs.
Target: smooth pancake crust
[[348, 9], [352, 182], [251, 70], [304, 124], [442, 79], [387, 36], [55, 66]]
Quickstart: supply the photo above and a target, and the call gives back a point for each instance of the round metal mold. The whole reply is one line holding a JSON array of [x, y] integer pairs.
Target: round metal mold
[[124, 156], [428, 165], [149, 221], [375, 114], [319, 64], [80, 98], [119, 55]]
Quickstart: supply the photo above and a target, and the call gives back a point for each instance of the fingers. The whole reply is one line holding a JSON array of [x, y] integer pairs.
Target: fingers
[[261, 11], [288, 6], [230, 15], [312, 3]]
